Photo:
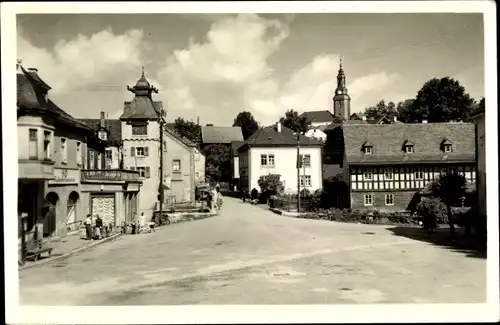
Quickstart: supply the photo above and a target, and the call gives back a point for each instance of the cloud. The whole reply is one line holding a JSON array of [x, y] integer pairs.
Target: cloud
[[227, 72]]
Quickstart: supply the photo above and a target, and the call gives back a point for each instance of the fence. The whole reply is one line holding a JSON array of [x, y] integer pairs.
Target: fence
[[289, 204]]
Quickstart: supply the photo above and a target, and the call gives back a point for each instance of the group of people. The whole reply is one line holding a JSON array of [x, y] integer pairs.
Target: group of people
[[215, 199], [96, 230]]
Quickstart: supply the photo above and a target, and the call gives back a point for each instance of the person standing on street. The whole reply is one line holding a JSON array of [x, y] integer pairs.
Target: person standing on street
[[88, 225], [219, 200], [98, 227]]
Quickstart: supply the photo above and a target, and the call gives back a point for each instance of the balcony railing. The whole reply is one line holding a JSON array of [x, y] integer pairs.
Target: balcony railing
[[109, 175]]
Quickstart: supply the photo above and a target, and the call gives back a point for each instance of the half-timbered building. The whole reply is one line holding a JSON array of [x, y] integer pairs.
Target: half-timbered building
[[387, 164]]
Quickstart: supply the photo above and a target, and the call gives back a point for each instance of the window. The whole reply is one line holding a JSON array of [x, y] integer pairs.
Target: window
[[368, 150], [305, 180], [139, 130], [196, 156], [109, 154], [33, 147], [409, 149], [99, 161], [47, 148], [388, 173], [270, 160], [389, 199], [103, 135], [91, 159], [143, 171], [306, 160], [419, 174], [367, 173], [447, 148], [267, 160], [176, 165], [139, 151], [368, 200], [64, 151], [79, 154]]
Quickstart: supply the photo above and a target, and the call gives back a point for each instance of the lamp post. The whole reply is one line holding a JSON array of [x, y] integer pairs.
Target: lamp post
[[298, 171], [161, 122]]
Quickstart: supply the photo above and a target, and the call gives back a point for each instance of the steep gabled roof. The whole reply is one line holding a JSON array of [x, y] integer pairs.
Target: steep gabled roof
[[235, 145], [31, 90], [141, 107], [113, 127], [221, 134], [318, 116], [270, 137], [387, 140]]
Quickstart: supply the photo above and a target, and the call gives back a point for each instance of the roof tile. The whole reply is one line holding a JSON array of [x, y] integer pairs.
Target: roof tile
[[388, 140], [221, 134]]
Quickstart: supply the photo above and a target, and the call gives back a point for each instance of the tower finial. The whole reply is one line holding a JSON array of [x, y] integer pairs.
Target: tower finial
[[341, 62], [142, 71]]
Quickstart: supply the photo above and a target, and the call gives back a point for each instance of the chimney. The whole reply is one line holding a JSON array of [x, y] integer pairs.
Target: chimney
[[278, 127], [103, 120], [424, 121], [198, 120], [364, 118]]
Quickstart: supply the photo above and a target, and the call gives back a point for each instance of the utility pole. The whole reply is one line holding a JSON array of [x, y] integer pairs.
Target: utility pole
[[161, 165], [298, 171]]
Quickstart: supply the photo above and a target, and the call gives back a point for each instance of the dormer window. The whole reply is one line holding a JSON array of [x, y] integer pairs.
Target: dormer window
[[446, 145], [408, 146], [367, 148]]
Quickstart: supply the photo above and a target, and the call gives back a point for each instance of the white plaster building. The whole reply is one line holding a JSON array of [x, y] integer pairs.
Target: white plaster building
[[273, 150]]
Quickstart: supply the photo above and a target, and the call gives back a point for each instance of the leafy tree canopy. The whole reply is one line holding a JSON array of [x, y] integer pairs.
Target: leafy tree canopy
[[439, 100], [292, 121], [271, 183], [218, 162], [380, 110], [187, 129], [247, 123], [443, 100]]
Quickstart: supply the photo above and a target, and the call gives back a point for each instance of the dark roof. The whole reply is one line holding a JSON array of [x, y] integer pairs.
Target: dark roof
[[332, 126], [141, 107], [221, 134], [113, 127], [318, 116], [235, 145], [270, 137], [31, 90], [388, 140]]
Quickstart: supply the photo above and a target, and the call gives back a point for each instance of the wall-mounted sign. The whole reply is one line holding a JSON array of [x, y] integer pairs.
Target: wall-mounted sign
[[65, 176]]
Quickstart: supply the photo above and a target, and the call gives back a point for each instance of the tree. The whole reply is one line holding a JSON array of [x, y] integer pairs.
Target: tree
[[381, 109], [292, 121], [271, 183], [442, 100], [403, 110], [187, 129], [218, 162], [247, 123], [450, 188]]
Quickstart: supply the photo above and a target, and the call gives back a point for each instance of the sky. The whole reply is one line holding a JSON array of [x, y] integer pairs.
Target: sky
[[213, 66]]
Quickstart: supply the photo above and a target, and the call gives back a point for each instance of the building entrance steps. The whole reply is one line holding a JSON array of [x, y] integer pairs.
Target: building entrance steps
[[68, 245]]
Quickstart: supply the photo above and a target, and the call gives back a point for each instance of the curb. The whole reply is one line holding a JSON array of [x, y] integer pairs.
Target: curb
[[73, 252], [286, 214]]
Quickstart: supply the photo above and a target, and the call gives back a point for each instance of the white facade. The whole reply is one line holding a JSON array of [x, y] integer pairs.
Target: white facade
[[199, 162], [236, 168], [147, 163], [282, 161], [316, 134]]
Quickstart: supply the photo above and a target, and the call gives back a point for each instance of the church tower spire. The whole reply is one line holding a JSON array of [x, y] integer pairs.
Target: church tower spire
[[341, 100]]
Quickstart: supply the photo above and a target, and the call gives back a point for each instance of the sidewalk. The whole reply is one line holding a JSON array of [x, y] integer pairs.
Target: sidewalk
[[68, 245]]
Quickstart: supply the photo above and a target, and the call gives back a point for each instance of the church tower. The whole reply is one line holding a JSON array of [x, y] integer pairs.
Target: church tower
[[341, 100]]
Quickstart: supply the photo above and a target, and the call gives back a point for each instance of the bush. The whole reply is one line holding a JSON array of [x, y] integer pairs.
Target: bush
[[433, 211]]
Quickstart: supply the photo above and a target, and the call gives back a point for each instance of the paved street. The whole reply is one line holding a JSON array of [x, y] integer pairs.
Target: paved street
[[248, 255]]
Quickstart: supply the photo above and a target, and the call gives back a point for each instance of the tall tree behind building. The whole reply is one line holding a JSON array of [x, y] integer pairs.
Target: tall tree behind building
[[381, 109], [292, 121], [188, 129], [247, 122]]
